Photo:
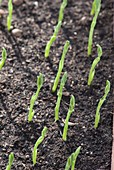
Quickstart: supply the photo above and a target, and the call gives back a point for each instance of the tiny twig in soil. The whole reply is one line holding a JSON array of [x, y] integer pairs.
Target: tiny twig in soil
[[69, 123], [97, 116], [38, 142], [71, 161]]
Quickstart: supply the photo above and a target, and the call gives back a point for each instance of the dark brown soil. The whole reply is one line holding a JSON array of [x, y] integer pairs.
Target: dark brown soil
[[18, 82]]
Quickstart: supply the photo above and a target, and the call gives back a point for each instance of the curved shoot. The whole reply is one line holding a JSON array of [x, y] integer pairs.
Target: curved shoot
[[10, 162], [70, 110], [61, 64], [62, 84], [71, 161], [53, 38], [97, 116], [9, 17], [61, 11], [38, 142], [95, 62], [4, 56], [96, 6], [35, 96]]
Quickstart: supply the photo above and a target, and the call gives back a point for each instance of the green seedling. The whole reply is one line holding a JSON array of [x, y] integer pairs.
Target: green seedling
[[57, 28], [71, 161], [9, 17], [61, 64], [0, 2], [10, 162], [95, 62], [35, 96], [97, 116], [93, 7], [38, 142], [4, 56], [59, 94], [61, 11], [53, 38], [71, 109], [95, 11]]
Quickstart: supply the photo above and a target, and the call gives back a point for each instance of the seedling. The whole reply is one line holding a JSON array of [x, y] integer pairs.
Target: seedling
[[10, 162], [97, 116], [57, 28], [9, 17], [35, 96], [0, 2], [93, 7], [4, 56], [53, 38], [61, 64], [95, 11], [95, 62], [61, 11], [71, 109], [63, 81], [38, 142], [71, 161]]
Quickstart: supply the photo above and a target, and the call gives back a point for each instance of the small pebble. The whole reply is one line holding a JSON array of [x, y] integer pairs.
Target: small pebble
[[2, 12], [83, 20], [75, 33], [17, 32], [36, 4], [17, 2], [11, 71], [66, 94]]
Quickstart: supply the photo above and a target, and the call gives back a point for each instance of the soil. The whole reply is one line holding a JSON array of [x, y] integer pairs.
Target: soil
[[36, 20]]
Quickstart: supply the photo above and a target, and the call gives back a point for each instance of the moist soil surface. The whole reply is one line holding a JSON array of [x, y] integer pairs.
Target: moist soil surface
[[36, 20]]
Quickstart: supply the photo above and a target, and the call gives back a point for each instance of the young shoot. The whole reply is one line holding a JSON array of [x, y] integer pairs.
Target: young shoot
[[95, 10], [38, 142], [71, 161], [9, 17], [71, 109], [0, 2], [4, 56], [61, 64], [10, 162], [95, 62], [93, 7], [61, 11], [53, 38], [59, 94], [97, 116], [35, 96]]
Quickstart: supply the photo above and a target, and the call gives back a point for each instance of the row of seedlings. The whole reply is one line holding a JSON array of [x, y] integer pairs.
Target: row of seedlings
[[94, 11]]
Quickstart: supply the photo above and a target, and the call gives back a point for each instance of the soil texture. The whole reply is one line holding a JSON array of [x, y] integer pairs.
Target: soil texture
[[36, 21]]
